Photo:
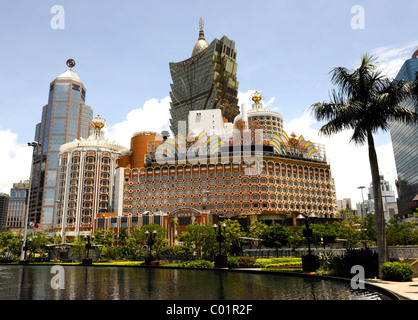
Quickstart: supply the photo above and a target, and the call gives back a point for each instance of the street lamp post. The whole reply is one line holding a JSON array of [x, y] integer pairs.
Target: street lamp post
[[150, 241], [309, 261], [87, 260], [33, 144], [362, 205], [221, 261]]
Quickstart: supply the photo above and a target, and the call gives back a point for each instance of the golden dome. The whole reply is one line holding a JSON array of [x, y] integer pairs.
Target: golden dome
[[98, 123], [256, 97], [201, 43]]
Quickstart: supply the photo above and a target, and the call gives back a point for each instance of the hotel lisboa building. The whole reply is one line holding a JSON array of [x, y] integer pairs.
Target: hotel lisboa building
[[212, 168]]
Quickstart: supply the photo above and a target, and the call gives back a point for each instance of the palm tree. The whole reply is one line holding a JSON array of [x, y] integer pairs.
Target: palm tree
[[365, 102]]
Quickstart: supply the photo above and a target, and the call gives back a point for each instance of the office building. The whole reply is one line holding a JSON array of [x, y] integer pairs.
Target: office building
[[390, 207], [344, 204], [4, 206], [405, 147], [17, 206], [64, 118]]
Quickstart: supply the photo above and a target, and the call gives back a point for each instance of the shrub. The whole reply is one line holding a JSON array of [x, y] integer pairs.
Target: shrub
[[233, 262], [246, 262], [199, 264], [397, 271]]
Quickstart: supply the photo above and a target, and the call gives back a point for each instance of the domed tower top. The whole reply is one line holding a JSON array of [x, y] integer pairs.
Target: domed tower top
[[415, 54], [201, 43], [69, 74]]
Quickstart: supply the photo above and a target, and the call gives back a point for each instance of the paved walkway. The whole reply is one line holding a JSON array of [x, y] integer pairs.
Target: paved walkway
[[407, 289]]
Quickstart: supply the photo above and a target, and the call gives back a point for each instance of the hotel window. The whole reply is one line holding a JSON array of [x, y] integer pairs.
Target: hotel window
[[113, 222], [184, 221], [100, 223]]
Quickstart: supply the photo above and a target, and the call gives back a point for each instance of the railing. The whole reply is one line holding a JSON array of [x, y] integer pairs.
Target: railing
[[393, 252]]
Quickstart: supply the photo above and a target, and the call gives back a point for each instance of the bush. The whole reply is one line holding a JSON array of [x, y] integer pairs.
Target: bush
[[199, 264], [397, 271], [246, 262], [233, 262]]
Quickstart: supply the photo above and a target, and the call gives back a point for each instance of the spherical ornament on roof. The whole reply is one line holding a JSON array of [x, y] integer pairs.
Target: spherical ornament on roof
[[70, 63]]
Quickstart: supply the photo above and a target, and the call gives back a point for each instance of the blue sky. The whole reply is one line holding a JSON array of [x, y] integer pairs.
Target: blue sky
[[122, 49]]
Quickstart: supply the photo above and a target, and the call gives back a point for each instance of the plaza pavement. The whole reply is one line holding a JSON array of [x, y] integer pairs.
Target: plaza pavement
[[408, 289]]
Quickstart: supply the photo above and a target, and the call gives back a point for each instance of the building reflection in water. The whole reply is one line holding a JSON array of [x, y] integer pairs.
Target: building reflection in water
[[118, 283]]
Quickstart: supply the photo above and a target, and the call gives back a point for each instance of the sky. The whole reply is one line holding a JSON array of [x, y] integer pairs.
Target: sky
[[122, 50]]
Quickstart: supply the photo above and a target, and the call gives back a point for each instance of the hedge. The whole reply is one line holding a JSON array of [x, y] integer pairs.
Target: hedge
[[397, 271]]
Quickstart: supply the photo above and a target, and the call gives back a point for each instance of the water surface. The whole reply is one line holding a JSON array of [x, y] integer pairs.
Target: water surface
[[128, 283]]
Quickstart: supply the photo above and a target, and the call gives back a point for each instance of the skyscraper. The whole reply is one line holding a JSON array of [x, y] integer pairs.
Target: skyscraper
[[64, 118], [206, 80], [405, 148], [17, 206], [390, 208], [4, 206]]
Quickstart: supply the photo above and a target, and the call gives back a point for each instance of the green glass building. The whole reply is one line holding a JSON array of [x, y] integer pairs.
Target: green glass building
[[206, 80], [405, 147]]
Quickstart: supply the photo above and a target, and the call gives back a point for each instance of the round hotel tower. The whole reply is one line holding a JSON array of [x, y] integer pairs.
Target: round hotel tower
[[85, 181], [258, 117]]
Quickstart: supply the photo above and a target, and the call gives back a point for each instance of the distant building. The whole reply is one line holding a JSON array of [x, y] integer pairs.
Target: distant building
[[344, 204], [207, 80], [405, 147], [17, 206], [64, 118], [4, 206], [390, 207]]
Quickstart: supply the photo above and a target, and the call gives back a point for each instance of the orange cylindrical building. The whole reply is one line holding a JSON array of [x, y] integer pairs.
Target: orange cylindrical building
[[139, 146]]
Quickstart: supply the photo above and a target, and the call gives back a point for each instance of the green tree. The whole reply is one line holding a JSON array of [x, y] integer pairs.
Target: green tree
[[276, 236], [198, 239], [104, 237], [400, 232], [256, 231], [323, 233], [366, 102], [10, 244], [139, 238], [368, 229], [348, 229], [232, 233]]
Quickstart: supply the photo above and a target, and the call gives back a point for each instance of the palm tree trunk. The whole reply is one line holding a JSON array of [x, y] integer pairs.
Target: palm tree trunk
[[382, 249]]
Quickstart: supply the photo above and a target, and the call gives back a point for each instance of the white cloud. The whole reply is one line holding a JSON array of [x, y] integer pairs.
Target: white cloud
[[391, 58], [349, 162], [14, 162], [153, 116]]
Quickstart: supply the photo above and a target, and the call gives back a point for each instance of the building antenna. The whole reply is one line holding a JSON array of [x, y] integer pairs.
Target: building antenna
[[201, 26]]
